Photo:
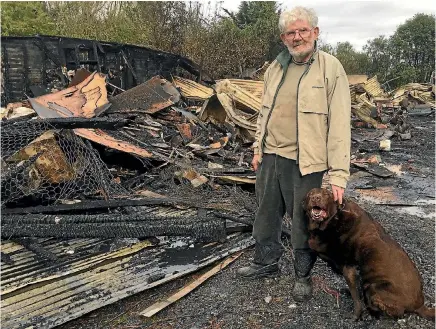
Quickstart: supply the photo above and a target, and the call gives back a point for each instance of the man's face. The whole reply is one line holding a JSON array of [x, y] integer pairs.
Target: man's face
[[299, 37]]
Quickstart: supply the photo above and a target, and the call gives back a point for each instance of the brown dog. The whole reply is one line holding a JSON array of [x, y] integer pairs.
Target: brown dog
[[347, 238]]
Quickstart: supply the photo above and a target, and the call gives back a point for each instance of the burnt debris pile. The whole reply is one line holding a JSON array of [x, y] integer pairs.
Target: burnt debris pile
[[162, 158]]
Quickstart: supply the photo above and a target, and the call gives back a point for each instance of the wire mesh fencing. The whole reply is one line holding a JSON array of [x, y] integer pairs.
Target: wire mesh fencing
[[48, 165]]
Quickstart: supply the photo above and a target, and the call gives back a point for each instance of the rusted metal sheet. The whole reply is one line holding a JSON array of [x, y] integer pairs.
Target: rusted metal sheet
[[185, 130], [35, 294], [70, 103], [193, 90], [149, 97], [103, 138], [79, 76], [194, 177], [82, 100]]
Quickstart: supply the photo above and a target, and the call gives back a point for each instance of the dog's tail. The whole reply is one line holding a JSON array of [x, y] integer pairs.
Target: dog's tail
[[426, 312]]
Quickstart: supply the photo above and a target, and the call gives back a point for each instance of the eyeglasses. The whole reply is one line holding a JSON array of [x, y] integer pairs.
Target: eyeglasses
[[304, 33]]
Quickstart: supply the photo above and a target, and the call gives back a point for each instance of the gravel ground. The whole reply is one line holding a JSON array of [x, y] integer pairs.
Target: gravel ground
[[228, 302]]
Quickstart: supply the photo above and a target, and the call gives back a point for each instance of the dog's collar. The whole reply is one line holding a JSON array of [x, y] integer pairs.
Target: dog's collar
[[340, 208]]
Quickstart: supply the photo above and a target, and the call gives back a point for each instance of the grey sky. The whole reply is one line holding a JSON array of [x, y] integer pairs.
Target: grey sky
[[356, 21]]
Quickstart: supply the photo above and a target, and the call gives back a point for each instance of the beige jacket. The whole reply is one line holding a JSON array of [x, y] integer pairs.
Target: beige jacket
[[323, 115]]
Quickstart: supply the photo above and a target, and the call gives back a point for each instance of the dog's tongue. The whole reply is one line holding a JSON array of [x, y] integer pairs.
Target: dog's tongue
[[319, 213]]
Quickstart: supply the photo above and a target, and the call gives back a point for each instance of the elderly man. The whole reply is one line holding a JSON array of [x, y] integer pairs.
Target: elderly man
[[303, 130]]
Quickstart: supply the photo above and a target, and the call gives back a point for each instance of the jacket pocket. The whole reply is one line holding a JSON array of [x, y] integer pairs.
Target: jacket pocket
[[312, 135], [315, 110], [314, 100], [317, 118]]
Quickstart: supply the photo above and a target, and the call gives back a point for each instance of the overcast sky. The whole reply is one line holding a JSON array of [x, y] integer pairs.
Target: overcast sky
[[356, 21]]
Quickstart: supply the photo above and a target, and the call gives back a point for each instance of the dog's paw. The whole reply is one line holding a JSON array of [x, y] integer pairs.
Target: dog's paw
[[357, 317], [357, 314]]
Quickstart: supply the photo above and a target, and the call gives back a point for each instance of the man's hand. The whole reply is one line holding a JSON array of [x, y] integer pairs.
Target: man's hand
[[338, 192], [255, 161]]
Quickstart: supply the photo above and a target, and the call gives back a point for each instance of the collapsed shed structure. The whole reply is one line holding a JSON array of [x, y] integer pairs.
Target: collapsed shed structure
[[98, 184], [36, 65]]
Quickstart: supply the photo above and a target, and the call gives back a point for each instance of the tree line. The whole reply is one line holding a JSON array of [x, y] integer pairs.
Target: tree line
[[224, 43]]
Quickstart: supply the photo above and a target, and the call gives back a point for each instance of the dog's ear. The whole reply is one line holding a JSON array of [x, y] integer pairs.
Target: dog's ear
[[306, 199]]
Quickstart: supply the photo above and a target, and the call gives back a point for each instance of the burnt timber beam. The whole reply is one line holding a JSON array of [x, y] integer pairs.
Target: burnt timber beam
[[32, 245], [103, 204], [129, 65], [206, 230], [41, 45], [69, 123]]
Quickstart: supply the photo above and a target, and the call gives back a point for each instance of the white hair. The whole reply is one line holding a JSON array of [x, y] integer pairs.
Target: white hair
[[290, 16]]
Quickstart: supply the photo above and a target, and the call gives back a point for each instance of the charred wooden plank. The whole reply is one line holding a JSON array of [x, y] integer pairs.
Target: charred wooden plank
[[247, 221], [208, 230], [6, 259], [32, 245], [67, 123], [103, 204], [137, 217]]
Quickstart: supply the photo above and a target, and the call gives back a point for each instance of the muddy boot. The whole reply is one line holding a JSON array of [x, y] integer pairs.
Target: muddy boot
[[255, 271], [304, 261], [265, 263], [302, 289]]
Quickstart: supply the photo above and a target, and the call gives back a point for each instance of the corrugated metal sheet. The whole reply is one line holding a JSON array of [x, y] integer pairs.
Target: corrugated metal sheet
[[353, 96], [38, 294], [372, 87], [246, 92], [150, 97], [354, 79], [363, 109], [233, 114], [252, 86], [421, 92], [193, 90]]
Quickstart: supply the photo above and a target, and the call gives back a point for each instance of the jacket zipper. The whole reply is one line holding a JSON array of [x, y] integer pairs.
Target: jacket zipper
[[298, 91], [274, 102]]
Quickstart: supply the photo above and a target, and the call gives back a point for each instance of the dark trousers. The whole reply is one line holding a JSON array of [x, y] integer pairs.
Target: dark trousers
[[281, 188]]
